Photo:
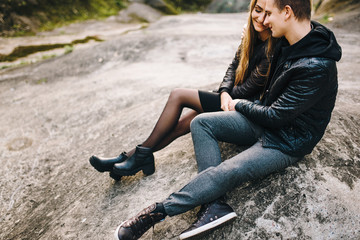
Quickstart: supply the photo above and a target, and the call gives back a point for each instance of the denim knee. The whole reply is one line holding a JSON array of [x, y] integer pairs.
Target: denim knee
[[196, 123]]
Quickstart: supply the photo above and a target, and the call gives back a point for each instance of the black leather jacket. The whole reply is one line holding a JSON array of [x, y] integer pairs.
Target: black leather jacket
[[255, 78], [299, 99]]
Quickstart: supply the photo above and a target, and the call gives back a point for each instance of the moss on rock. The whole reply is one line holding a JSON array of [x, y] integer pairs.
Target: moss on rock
[[27, 17]]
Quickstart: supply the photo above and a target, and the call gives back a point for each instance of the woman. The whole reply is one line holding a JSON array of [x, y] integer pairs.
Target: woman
[[244, 78]]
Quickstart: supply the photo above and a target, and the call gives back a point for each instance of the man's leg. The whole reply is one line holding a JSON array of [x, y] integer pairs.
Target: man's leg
[[254, 163], [209, 128]]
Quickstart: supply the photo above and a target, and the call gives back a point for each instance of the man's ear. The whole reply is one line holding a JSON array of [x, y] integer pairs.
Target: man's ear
[[288, 12]]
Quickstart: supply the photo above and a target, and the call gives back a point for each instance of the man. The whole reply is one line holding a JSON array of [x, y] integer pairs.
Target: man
[[283, 126]]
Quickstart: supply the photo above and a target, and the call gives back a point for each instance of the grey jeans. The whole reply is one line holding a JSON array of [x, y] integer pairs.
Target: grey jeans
[[215, 177]]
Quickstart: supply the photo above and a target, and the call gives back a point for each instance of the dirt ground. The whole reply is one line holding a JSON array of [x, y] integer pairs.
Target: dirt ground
[[105, 98]]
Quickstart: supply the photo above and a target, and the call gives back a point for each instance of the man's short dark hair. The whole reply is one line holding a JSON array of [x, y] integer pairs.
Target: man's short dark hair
[[301, 8]]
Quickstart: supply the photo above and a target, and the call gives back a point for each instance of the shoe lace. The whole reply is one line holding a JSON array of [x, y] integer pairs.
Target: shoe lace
[[141, 223], [202, 212]]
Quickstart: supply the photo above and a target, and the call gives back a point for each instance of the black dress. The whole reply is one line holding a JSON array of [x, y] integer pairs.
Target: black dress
[[252, 85]]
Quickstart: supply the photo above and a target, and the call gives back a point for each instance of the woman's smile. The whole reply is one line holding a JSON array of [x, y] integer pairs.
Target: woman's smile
[[258, 16]]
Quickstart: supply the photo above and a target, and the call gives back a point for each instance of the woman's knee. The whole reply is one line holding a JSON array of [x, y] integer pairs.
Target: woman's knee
[[186, 97], [177, 94]]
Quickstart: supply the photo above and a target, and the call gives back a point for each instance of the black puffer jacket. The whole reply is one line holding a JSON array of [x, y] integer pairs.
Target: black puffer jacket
[[255, 78], [299, 99]]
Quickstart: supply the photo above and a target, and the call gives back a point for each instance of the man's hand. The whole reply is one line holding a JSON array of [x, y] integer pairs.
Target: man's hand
[[232, 104], [225, 100]]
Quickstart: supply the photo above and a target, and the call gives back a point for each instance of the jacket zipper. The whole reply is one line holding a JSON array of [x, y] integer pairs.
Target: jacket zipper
[[267, 90]]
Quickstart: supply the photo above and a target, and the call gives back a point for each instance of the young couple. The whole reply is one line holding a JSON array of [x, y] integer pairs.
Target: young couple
[[276, 97]]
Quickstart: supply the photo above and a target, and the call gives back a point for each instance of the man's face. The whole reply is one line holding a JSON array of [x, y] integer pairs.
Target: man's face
[[274, 19]]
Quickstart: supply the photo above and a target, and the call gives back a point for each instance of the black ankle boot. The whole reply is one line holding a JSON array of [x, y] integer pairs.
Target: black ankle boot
[[142, 159], [106, 164]]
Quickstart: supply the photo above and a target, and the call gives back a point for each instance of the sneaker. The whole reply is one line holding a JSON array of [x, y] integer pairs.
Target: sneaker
[[210, 216], [135, 227]]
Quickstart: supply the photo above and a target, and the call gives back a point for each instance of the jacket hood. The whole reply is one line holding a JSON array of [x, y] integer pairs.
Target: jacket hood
[[319, 42]]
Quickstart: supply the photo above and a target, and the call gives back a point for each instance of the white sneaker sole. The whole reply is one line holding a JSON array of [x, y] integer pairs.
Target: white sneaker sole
[[116, 235], [208, 226]]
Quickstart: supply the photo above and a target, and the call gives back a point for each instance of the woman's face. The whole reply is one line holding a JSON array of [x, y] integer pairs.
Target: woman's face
[[258, 16]]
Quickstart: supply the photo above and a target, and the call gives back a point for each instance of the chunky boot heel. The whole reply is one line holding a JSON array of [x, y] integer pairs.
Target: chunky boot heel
[[142, 159], [115, 176], [149, 169], [106, 164]]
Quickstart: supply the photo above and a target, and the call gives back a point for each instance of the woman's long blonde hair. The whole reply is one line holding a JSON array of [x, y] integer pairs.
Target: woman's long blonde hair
[[247, 47]]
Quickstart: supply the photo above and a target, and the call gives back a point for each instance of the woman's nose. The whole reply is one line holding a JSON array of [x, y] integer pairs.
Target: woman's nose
[[262, 18], [266, 21]]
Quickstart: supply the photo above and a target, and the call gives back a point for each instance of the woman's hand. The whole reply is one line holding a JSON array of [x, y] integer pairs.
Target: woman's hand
[[225, 100], [232, 104]]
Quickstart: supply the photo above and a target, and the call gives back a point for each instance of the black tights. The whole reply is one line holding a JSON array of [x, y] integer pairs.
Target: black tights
[[171, 124]]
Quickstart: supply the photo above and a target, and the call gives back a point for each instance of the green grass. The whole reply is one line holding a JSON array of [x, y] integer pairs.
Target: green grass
[[57, 13], [46, 56], [42, 81], [4, 67], [68, 49], [326, 18]]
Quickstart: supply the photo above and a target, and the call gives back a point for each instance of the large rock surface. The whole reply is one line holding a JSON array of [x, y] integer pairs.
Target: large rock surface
[[106, 99], [228, 6]]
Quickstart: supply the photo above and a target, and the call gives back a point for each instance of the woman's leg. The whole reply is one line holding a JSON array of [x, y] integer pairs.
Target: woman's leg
[[142, 158], [182, 128], [168, 126]]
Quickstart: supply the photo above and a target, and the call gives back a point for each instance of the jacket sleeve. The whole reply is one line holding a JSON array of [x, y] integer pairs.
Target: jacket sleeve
[[306, 87], [229, 79], [255, 81]]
